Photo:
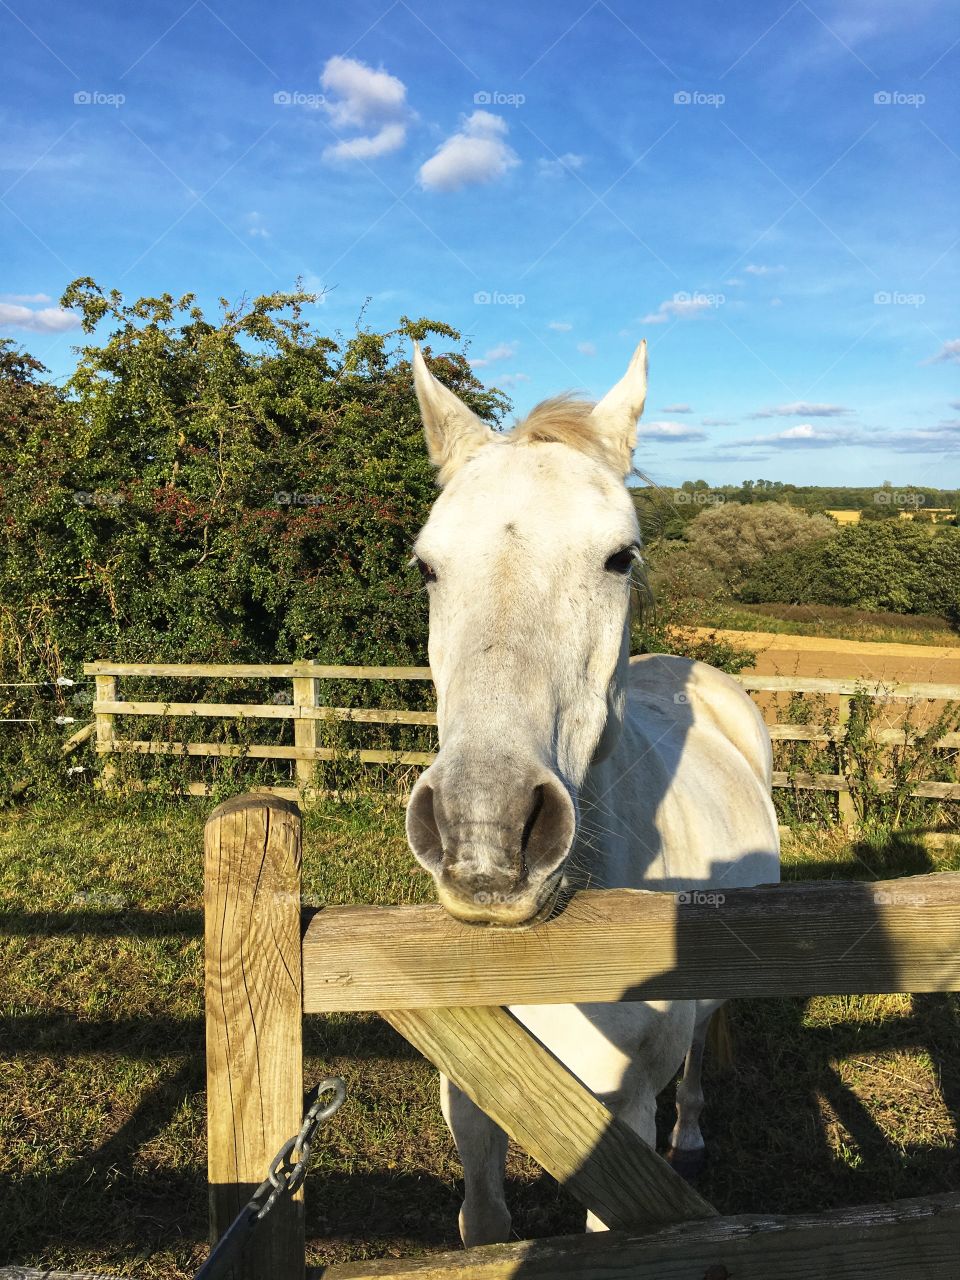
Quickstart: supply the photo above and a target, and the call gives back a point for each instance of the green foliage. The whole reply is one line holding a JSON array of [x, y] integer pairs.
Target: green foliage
[[882, 775], [898, 565], [245, 490]]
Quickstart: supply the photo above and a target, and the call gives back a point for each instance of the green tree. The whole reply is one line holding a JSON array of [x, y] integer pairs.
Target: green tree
[[239, 490]]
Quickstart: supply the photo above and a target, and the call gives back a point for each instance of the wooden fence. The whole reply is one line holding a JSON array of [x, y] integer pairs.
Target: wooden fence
[[307, 711], [443, 986]]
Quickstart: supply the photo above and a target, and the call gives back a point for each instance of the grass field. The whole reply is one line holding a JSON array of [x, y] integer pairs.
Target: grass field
[[831, 1100], [832, 621]]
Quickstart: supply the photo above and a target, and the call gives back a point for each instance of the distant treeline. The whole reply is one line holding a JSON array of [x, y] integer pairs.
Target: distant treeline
[[665, 512]]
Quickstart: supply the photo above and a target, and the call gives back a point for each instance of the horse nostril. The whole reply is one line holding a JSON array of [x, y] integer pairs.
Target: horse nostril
[[423, 833], [548, 830], [528, 827]]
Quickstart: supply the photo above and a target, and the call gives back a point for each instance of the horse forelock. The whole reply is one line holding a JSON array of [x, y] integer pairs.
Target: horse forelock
[[563, 420]]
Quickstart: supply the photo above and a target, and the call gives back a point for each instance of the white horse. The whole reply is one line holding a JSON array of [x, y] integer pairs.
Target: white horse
[[563, 763]]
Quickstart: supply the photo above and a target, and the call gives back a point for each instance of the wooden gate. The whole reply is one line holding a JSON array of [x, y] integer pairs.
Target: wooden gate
[[268, 963]]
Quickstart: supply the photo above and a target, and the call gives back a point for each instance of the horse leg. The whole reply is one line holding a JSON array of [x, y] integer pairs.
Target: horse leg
[[640, 1114], [687, 1150], [482, 1147]]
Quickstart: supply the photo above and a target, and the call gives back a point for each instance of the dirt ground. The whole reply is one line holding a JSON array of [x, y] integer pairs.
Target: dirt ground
[[786, 655]]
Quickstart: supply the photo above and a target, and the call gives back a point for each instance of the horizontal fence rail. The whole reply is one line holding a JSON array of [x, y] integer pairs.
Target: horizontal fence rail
[[818, 938], [307, 713]]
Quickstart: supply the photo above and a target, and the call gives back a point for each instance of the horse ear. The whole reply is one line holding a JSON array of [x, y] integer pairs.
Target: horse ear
[[615, 417], [453, 432]]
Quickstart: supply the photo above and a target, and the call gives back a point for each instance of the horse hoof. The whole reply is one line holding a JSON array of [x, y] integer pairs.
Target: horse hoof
[[689, 1164]]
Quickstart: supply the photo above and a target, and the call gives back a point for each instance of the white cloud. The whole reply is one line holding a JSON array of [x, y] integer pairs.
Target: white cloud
[[560, 166], [477, 154], [676, 431], [674, 308], [24, 297], [734, 281], [560, 326], [804, 436], [374, 102], [944, 438], [586, 348], [677, 408], [512, 379], [719, 422], [255, 226], [753, 269], [949, 351], [503, 351], [801, 409], [46, 320]]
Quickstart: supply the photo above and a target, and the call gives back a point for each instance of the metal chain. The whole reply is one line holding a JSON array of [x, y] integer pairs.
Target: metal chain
[[285, 1177]]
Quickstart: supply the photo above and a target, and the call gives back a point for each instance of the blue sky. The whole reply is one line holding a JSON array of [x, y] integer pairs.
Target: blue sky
[[767, 192]]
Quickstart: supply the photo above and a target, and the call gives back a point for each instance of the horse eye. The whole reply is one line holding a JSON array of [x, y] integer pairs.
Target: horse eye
[[426, 573], [621, 561]]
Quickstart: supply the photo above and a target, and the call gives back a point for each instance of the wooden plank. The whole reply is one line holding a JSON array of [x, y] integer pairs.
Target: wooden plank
[[247, 670], [145, 746], [536, 1100], [253, 1019], [809, 781], [834, 782], [106, 687], [850, 685], [828, 938], [79, 738], [305, 691], [906, 1238], [267, 710], [846, 808], [830, 733]]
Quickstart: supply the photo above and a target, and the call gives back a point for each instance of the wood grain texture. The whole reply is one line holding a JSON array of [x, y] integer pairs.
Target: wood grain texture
[[254, 1020], [827, 938], [106, 692], [906, 1240], [244, 670], [305, 693], [267, 710], [874, 688], [144, 746], [544, 1107]]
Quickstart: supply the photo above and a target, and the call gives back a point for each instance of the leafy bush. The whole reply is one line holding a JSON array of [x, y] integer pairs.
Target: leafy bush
[[731, 539], [879, 565], [245, 490]]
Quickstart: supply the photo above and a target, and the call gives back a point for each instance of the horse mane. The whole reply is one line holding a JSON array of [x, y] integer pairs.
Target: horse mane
[[561, 420]]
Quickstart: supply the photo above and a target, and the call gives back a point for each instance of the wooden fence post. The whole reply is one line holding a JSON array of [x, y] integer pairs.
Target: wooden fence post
[[305, 731], [106, 692], [254, 1020], [846, 808]]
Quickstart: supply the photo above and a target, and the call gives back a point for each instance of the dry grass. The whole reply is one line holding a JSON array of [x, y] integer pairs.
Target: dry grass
[[102, 1156]]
